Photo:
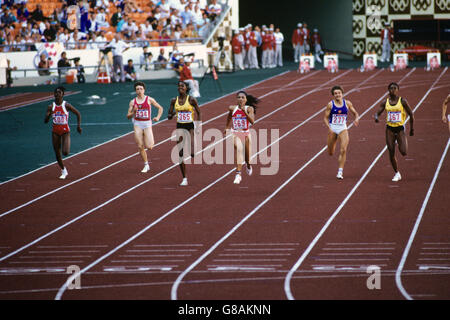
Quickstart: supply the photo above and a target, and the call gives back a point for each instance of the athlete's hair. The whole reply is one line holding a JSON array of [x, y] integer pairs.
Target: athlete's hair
[[139, 83], [188, 87], [251, 100], [393, 84], [336, 88], [60, 88]]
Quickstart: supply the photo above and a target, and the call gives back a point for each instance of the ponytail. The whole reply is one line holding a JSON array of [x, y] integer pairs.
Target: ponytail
[[251, 100]]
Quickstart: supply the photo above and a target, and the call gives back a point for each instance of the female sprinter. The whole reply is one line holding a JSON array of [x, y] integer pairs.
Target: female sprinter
[[140, 111], [396, 108], [183, 107], [59, 111], [336, 120], [239, 119]]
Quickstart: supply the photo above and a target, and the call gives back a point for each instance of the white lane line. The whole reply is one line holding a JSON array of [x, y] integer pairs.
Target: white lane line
[[64, 287], [169, 168], [287, 283], [398, 273], [211, 249], [127, 158], [121, 136]]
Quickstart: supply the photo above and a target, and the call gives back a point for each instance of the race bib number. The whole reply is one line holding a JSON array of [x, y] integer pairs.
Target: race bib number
[[240, 123], [394, 117], [142, 114], [185, 116], [338, 119], [60, 120]]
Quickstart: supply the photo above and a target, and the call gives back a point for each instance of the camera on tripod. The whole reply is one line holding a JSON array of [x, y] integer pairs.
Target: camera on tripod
[[221, 40]]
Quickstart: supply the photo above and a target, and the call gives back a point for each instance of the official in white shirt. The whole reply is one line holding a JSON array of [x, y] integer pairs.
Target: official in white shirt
[[279, 39], [118, 47]]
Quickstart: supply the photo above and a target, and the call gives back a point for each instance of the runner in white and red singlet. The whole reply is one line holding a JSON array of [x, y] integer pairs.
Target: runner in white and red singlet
[[140, 111], [240, 117], [59, 112]]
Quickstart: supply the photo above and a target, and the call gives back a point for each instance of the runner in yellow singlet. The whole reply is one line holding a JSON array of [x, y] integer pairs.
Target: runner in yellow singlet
[[187, 113], [397, 109]]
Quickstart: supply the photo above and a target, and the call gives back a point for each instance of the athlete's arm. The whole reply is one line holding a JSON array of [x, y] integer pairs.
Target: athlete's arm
[[355, 113], [48, 114], [77, 113], [444, 109], [326, 117], [158, 106], [131, 110], [228, 124], [194, 103], [411, 116], [172, 106], [250, 115], [379, 112]]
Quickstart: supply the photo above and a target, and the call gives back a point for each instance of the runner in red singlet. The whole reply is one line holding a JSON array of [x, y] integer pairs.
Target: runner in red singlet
[[59, 112]]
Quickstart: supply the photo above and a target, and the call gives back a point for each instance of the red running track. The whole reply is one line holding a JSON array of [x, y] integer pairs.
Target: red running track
[[216, 240]]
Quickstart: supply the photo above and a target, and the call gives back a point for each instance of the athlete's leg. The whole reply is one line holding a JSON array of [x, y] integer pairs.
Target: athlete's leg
[[390, 143], [65, 144], [139, 137], [238, 151], [402, 143], [56, 141], [343, 144], [331, 142], [248, 148], [149, 141]]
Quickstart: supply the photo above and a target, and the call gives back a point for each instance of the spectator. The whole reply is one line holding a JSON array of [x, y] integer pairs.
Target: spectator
[[130, 73], [237, 43], [9, 69], [187, 16], [185, 74], [8, 19], [22, 12], [386, 40], [118, 47], [80, 71], [146, 28], [162, 61], [306, 36], [214, 10], [63, 64], [116, 17], [49, 32], [279, 39], [298, 42], [317, 44], [37, 14], [146, 58]]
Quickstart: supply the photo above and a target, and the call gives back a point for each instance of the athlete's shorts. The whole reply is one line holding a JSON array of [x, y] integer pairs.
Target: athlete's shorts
[[338, 128], [448, 118], [188, 126], [395, 130], [60, 130], [142, 124]]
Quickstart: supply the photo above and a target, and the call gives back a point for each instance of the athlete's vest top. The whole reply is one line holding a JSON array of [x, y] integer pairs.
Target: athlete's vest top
[[338, 115], [60, 118], [143, 112], [239, 120], [185, 112], [396, 114]]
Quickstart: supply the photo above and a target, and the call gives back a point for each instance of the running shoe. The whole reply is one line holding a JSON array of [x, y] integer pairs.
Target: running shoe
[[184, 182], [237, 179], [146, 169], [249, 171], [340, 175], [64, 174], [397, 177]]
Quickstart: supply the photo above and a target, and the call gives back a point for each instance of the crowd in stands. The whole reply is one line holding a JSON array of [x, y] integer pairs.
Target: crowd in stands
[[93, 23]]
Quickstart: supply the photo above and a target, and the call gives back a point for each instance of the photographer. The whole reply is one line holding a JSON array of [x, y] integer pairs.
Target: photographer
[[44, 65], [80, 71], [63, 64]]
